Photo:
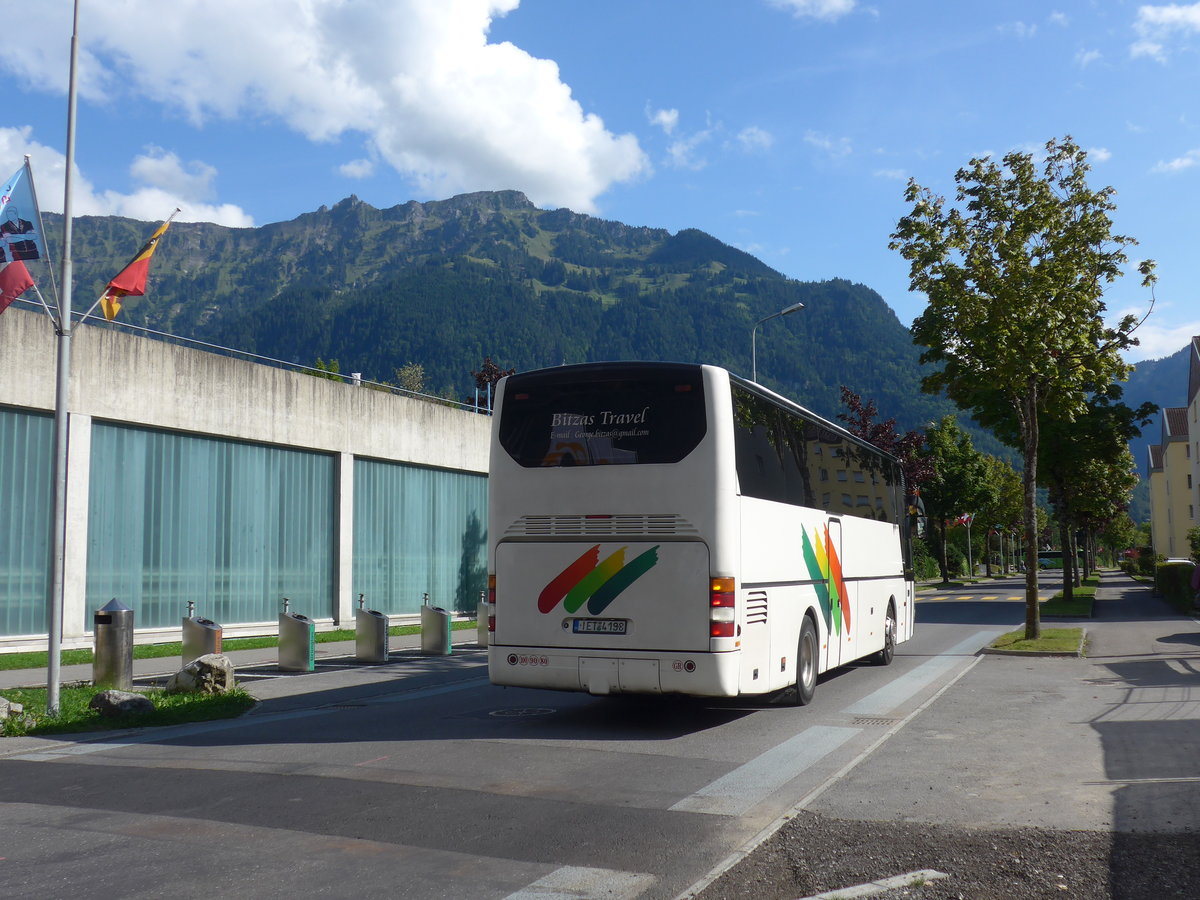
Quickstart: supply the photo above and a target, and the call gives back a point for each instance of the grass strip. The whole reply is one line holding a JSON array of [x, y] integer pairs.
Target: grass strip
[[37, 659], [1055, 640], [75, 715], [1078, 607]]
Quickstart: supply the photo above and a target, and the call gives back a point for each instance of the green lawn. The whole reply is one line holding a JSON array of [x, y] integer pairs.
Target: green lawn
[[74, 714], [37, 659], [1057, 640]]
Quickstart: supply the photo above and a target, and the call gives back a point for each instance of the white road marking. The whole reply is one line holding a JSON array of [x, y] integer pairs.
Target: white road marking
[[737, 791], [898, 690], [575, 883]]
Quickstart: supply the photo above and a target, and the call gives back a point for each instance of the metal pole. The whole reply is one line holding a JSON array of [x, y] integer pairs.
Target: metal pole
[[61, 408], [753, 336]]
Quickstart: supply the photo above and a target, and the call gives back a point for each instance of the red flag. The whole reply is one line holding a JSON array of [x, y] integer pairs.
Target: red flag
[[131, 280], [14, 281]]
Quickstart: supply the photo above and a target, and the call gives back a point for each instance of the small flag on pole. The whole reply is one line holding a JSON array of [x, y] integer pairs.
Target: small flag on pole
[[14, 281], [131, 280], [19, 237]]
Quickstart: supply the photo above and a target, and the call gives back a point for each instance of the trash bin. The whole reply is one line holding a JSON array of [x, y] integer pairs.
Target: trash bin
[[200, 636], [370, 635], [112, 664], [297, 642], [435, 631]]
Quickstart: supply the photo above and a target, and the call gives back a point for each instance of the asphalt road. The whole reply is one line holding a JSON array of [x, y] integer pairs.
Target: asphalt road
[[421, 779]]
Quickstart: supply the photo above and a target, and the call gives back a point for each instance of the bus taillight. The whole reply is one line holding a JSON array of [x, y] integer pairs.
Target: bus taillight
[[491, 599], [721, 614]]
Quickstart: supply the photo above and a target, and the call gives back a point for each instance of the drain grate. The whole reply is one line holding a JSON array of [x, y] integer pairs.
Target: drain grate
[[874, 720]]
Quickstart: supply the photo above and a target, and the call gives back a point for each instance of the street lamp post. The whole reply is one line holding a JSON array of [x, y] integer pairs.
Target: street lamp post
[[753, 336]]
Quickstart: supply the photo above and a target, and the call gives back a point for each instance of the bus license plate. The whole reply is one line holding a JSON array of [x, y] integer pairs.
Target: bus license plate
[[600, 626]]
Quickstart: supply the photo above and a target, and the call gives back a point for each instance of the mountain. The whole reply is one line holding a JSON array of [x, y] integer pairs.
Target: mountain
[[445, 283], [1162, 381]]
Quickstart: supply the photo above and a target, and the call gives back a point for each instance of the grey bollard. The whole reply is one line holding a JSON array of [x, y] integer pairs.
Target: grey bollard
[[435, 631], [481, 621], [200, 637], [370, 636], [112, 663], [297, 642]]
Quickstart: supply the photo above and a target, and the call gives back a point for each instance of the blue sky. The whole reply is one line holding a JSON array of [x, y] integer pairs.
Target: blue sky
[[785, 127]]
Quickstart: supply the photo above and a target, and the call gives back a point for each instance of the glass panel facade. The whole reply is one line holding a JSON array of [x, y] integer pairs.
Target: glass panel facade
[[418, 530], [26, 514], [233, 527]]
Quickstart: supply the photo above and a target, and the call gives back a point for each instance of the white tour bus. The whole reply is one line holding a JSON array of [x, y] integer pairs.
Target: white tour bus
[[670, 528]]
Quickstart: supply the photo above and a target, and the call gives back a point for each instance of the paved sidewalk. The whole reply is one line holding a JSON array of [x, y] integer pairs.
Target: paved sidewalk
[[247, 662], [1106, 742]]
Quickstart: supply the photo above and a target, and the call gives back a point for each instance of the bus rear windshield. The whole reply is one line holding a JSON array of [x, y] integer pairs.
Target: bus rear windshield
[[603, 416]]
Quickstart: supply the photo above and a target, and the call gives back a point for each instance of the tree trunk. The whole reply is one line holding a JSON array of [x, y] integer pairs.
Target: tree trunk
[[1027, 419], [1068, 558], [943, 563]]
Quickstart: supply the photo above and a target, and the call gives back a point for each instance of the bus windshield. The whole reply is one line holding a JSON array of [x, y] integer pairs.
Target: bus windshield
[[604, 415]]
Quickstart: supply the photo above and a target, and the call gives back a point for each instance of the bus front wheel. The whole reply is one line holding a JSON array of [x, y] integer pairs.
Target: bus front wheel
[[802, 691]]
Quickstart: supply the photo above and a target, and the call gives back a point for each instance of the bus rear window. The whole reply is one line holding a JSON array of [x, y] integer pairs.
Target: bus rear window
[[603, 415]]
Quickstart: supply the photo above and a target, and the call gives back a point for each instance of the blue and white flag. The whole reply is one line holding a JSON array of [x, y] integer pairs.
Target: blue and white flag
[[20, 239]]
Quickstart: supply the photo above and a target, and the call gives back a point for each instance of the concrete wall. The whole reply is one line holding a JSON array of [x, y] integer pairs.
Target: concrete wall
[[122, 378]]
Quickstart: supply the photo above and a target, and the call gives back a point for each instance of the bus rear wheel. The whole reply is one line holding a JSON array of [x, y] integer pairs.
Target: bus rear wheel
[[801, 693], [885, 656]]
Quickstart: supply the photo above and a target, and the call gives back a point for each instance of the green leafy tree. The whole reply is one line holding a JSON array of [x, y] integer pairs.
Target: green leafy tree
[[411, 377], [1003, 511], [959, 483], [1015, 281], [324, 369]]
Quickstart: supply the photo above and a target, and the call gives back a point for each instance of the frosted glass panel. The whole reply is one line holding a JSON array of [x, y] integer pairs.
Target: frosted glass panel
[[233, 527], [418, 530], [26, 512]]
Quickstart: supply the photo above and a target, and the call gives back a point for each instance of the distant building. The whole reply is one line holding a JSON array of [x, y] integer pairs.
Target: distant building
[[1175, 470]]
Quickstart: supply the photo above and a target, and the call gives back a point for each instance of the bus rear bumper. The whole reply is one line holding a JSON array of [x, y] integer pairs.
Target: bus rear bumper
[[699, 674]]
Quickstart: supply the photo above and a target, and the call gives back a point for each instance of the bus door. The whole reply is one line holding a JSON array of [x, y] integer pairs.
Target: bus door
[[838, 610]]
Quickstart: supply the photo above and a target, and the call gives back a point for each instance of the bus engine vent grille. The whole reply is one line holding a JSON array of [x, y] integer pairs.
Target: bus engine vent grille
[[568, 526], [756, 608]]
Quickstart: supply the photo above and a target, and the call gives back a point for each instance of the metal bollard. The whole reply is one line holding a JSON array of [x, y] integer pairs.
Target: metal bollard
[[200, 636], [370, 634], [297, 641], [112, 663], [435, 630]]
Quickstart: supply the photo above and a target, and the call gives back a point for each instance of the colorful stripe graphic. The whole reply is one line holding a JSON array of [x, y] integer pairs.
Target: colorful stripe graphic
[[824, 567], [587, 580]]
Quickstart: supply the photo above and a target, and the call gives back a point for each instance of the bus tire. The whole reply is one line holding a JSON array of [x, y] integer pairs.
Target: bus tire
[[885, 656], [801, 693]]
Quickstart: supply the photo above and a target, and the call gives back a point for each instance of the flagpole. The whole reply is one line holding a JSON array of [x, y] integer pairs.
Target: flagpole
[[42, 231], [61, 407]]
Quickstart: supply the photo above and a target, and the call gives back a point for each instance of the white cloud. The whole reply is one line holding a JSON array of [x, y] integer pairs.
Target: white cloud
[[1022, 30], [666, 119], [165, 183], [1156, 341], [894, 174], [754, 138], [1085, 58], [417, 80], [1099, 154], [1058, 18], [835, 147], [744, 213], [357, 168], [1155, 25], [1178, 164], [826, 10], [682, 153]]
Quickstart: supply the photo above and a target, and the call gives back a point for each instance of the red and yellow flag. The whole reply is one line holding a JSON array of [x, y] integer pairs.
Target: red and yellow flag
[[131, 280]]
